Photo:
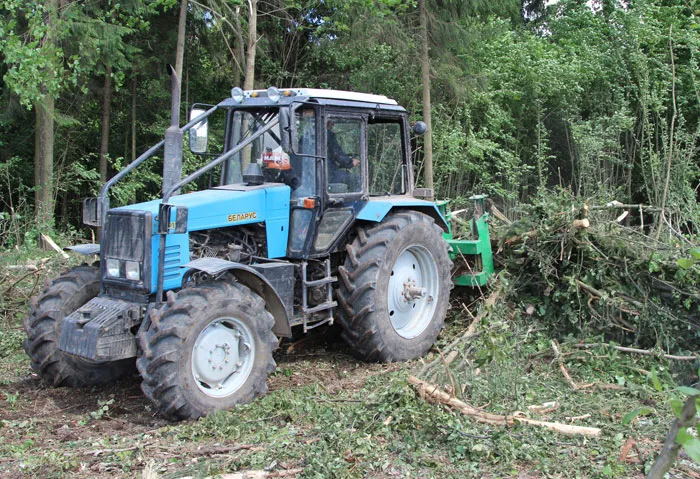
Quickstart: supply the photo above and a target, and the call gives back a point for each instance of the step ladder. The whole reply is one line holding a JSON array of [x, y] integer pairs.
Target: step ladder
[[327, 305]]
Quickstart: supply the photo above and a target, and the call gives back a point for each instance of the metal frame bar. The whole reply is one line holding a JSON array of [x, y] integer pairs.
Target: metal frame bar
[[193, 176]]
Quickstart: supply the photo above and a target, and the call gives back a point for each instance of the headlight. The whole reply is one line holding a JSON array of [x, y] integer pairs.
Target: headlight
[[133, 270], [237, 94], [273, 94], [113, 268]]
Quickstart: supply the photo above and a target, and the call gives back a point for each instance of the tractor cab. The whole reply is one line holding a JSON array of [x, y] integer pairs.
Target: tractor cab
[[336, 151]]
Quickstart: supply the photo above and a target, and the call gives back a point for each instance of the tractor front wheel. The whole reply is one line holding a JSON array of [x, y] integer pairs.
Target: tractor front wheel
[[395, 288], [61, 297], [209, 348]]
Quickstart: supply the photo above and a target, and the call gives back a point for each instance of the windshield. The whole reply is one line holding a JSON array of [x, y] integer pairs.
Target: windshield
[[298, 171], [244, 124]]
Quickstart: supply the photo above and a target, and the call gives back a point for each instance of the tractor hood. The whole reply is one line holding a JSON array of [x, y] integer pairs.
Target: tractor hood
[[231, 205], [219, 207]]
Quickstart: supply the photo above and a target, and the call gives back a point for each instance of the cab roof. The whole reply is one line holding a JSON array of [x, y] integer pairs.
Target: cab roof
[[321, 96], [343, 95]]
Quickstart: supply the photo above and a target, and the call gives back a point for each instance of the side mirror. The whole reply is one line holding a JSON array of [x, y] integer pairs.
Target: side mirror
[[284, 129], [91, 215], [419, 128], [199, 133]]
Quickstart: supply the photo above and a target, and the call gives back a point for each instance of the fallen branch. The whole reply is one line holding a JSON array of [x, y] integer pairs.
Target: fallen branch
[[577, 418], [260, 474], [497, 213], [562, 368], [99, 452], [46, 239], [470, 332], [621, 206], [14, 283], [644, 352], [669, 451], [211, 451], [432, 393], [544, 407]]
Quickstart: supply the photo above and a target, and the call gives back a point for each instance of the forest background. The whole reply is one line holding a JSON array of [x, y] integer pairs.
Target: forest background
[[600, 97]]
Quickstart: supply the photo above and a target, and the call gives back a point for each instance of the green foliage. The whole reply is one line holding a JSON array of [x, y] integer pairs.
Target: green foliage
[[575, 96]]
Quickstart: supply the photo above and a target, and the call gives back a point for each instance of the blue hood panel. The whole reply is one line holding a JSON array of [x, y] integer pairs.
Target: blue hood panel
[[219, 208]]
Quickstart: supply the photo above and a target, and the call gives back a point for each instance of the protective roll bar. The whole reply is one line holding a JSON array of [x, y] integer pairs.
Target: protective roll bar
[[165, 208], [103, 197]]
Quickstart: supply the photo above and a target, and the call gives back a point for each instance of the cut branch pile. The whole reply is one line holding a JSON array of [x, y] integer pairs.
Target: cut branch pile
[[606, 273]]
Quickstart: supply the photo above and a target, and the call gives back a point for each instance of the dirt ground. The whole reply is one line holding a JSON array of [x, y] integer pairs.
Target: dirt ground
[[73, 425]]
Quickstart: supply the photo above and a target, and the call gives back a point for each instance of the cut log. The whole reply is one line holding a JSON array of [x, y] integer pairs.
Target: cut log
[[47, 241], [432, 393], [582, 224]]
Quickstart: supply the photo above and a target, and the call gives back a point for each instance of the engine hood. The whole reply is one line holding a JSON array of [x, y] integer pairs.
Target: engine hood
[[226, 206]]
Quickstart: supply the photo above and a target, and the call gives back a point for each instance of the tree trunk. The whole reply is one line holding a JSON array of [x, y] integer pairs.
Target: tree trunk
[[249, 82], [133, 118], [106, 111], [43, 162], [43, 143], [425, 72], [240, 49], [180, 52]]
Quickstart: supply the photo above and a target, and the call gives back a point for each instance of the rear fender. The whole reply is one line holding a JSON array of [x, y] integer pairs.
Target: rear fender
[[376, 210], [253, 280]]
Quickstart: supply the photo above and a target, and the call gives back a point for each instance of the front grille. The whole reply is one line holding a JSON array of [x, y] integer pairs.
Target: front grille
[[125, 235]]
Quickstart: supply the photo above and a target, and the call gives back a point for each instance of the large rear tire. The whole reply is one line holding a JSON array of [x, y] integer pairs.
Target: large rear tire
[[395, 288], [61, 297], [208, 348]]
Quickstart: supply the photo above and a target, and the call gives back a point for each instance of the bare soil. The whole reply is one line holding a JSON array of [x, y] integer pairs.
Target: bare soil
[[68, 423]]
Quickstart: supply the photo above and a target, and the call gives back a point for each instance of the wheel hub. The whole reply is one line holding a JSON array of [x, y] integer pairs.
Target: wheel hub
[[412, 286], [222, 357]]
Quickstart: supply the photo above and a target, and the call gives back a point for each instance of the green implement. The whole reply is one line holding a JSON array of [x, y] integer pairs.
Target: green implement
[[472, 257]]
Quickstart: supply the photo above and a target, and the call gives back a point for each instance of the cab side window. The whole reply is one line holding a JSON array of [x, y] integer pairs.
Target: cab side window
[[385, 159], [344, 144]]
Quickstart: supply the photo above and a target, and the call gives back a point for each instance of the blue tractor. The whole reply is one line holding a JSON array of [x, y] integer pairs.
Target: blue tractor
[[315, 220]]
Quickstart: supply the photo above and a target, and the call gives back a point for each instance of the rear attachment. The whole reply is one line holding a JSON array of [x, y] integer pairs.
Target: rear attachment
[[473, 258]]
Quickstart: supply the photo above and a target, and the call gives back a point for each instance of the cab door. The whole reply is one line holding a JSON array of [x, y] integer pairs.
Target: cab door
[[344, 176]]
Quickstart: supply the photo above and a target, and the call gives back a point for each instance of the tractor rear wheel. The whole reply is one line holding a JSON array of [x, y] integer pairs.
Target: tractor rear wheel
[[61, 297], [208, 348], [395, 288]]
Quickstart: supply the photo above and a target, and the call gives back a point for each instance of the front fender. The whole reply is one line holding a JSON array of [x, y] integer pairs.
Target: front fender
[[255, 281]]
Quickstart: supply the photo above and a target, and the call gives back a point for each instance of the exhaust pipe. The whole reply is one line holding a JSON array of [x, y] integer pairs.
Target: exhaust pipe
[[172, 155]]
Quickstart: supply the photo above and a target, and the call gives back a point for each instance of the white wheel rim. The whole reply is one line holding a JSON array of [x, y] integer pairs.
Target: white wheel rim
[[413, 291], [222, 357]]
